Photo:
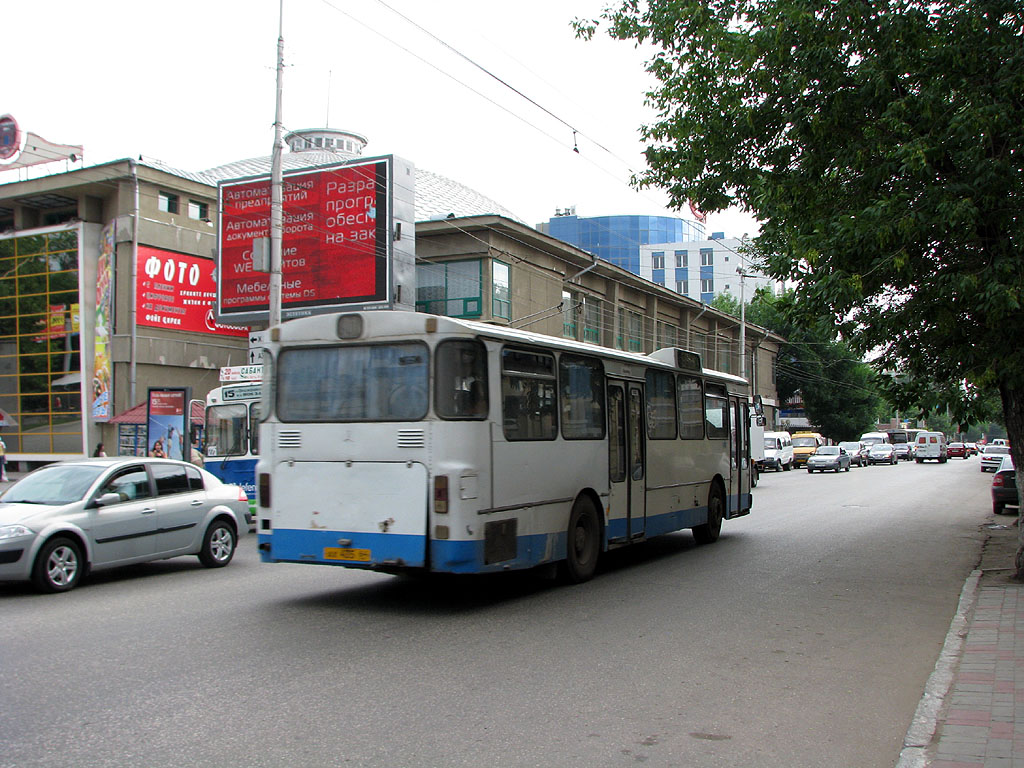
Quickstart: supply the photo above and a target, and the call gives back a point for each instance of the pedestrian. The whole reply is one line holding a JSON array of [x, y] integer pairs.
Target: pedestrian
[[197, 455], [99, 450], [3, 461]]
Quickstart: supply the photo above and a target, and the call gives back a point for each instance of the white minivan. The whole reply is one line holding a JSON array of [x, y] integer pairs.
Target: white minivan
[[778, 452], [930, 445]]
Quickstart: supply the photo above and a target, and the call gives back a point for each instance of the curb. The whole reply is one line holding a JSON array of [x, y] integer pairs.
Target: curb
[[922, 728]]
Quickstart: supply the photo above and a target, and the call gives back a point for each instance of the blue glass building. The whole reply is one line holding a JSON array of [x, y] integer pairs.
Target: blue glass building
[[618, 238]]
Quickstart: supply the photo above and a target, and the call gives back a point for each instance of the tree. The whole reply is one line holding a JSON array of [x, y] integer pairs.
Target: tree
[[881, 144]]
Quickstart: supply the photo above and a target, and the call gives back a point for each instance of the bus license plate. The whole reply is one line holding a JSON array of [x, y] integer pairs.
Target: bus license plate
[[337, 553]]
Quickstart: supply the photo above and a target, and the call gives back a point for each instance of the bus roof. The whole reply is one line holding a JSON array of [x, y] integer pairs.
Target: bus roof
[[324, 329]]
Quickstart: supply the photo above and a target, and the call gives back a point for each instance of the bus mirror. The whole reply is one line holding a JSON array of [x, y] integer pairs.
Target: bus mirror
[[758, 405]]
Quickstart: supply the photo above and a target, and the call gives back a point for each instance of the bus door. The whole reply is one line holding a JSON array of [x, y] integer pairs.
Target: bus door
[[626, 459], [739, 466]]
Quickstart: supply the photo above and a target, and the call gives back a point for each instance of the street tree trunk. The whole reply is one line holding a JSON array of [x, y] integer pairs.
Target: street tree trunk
[[1013, 416]]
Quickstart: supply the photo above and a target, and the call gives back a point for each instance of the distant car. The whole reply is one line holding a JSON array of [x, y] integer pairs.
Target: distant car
[[958, 451], [69, 518], [903, 451], [972, 448], [858, 452], [1004, 486], [992, 456], [831, 457], [881, 453]]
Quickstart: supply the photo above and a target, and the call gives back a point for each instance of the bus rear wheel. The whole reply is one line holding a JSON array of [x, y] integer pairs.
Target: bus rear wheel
[[710, 531], [583, 542]]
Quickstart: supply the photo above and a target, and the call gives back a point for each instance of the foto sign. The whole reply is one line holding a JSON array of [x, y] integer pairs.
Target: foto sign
[[340, 243]]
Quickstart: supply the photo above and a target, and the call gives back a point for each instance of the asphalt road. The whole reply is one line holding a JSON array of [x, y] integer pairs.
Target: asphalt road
[[804, 637]]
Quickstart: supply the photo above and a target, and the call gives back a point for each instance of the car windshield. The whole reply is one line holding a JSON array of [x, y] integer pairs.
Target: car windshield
[[55, 484], [881, 448], [804, 442], [828, 450], [769, 442], [850, 446]]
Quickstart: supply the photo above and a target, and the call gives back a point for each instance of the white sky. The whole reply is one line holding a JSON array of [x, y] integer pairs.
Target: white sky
[[193, 84]]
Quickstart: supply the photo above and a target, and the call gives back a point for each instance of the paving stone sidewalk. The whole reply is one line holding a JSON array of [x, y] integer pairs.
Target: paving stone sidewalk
[[968, 717]]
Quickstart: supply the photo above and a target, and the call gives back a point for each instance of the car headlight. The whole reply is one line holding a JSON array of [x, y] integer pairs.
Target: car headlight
[[14, 531]]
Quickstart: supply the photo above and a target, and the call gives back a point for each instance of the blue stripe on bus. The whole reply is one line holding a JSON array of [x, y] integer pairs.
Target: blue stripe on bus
[[307, 546], [448, 556]]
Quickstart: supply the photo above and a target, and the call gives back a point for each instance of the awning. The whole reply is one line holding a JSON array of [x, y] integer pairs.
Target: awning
[[137, 415]]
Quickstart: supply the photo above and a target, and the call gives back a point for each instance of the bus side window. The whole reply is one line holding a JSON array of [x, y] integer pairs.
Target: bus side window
[[461, 380]]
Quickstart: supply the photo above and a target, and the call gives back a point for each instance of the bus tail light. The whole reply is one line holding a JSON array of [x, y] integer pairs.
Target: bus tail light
[[441, 494], [265, 489]]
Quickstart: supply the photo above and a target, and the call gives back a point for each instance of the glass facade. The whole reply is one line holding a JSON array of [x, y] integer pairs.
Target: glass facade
[[40, 364], [618, 238]]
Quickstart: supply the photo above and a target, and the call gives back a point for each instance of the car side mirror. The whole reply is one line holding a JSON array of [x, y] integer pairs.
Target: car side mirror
[[107, 499]]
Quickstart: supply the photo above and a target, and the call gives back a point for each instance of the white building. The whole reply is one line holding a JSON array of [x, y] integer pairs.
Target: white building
[[700, 269]]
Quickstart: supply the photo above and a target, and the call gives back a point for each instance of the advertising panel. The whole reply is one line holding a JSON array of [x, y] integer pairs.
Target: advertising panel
[[336, 252], [167, 422], [177, 291], [101, 366]]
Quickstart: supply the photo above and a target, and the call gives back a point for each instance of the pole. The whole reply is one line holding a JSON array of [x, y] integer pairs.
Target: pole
[[277, 189], [743, 331]]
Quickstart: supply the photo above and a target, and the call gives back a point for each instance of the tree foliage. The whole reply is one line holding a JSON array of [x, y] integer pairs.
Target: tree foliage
[[881, 144]]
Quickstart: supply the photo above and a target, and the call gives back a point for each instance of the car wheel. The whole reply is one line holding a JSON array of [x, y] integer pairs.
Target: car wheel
[[59, 566], [712, 529], [787, 467], [847, 468], [218, 544], [583, 542], [998, 507]]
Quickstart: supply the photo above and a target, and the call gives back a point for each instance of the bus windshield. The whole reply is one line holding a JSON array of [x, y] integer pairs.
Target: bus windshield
[[375, 382], [226, 428]]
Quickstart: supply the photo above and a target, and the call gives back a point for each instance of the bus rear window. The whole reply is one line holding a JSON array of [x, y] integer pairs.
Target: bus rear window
[[380, 382]]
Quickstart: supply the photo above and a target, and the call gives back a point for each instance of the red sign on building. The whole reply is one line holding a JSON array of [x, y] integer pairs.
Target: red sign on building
[[177, 291], [335, 243]]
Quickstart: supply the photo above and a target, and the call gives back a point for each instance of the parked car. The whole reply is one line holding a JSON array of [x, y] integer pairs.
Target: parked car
[[858, 452], [828, 457], [958, 451], [881, 453], [903, 451], [992, 456], [66, 519], [1004, 486]]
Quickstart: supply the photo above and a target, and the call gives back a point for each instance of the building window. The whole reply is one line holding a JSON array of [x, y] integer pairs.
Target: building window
[[451, 288], [707, 285], [683, 287], [40, 364], [501, 290], [707, 257], [592, 319], [658, 260], [669, 335], [569, 306], [167, 202], [631, 331], [197, 210], [681, 259]]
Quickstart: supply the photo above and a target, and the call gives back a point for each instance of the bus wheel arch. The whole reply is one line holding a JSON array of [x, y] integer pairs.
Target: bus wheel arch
[[708, 532], [584, 538]]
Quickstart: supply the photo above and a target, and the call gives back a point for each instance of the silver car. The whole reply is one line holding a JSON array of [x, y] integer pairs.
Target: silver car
[[68, 518]]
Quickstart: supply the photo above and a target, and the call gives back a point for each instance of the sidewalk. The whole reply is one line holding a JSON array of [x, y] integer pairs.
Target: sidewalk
[[967, 717]]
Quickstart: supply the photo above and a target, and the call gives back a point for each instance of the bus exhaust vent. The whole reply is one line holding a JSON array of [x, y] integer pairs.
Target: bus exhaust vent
[[289, 438], [411, 438]]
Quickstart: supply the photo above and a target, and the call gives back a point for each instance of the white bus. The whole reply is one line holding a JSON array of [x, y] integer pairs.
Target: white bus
[[231, 435], [404, 441]]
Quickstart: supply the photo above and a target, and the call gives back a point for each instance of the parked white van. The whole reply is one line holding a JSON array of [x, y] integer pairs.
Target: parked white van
[[930, 445], [778, 452]]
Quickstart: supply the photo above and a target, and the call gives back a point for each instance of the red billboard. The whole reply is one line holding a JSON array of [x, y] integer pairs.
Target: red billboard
[[335, 243], [177, 291]]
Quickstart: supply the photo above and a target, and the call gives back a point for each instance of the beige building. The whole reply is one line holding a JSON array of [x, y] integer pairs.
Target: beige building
[[144, 235]]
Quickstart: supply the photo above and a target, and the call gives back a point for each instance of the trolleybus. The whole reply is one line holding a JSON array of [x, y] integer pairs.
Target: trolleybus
[[231, 434], [400, 441]]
